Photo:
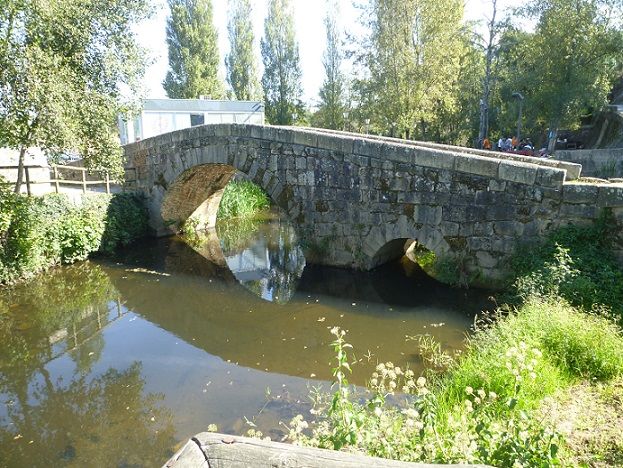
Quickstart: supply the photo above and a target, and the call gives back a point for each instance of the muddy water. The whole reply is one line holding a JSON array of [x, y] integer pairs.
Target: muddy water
[[114, 363]]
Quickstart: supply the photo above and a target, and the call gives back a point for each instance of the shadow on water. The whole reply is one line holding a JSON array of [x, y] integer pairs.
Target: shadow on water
[[114, 362]]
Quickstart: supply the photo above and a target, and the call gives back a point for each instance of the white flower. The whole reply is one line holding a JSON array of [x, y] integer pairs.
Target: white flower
[[378, 411], [469, 390], [421, 381], [482, 393]]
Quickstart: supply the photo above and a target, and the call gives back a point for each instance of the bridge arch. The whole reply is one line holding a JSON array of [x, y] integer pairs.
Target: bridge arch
[[348, 196]]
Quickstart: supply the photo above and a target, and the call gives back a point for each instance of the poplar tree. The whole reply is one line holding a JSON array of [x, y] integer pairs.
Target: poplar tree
[[281, 81], [240, 62], [193, 51], [330, 112]]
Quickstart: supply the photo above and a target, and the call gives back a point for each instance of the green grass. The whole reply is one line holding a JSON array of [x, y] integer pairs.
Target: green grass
[[242, 198], [575, 346]]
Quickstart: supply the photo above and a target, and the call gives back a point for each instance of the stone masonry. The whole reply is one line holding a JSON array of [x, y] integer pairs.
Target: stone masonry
[[353, 199]]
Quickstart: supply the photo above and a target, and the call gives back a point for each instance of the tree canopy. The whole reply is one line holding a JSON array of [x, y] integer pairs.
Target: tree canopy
[[64, 67], [332, 106], [241, 61], [193, 51], [281, 81]]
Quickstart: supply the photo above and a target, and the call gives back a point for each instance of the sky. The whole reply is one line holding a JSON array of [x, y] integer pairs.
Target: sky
[[308, 16]]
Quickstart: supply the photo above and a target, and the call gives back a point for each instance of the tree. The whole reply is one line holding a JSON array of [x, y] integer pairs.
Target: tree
[[193, 51], [411, 60], [240, 62], [63, 65], [281, 81], [569, 64], [332, 100], [490, 45]]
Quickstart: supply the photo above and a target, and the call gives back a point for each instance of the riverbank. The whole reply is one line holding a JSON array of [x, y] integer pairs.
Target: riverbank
[[526, 391], [39, 232]]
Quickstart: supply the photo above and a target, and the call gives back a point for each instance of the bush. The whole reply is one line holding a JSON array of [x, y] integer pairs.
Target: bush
[[38, 232]]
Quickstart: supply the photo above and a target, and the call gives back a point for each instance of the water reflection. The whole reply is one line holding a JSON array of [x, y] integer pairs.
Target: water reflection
[[262, 253], [114, 363], [58, 407]]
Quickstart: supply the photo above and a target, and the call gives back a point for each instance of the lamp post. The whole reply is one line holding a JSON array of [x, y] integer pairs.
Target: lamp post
[[520, 98]]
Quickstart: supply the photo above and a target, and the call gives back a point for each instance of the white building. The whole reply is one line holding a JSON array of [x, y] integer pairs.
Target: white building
[[160, 116]]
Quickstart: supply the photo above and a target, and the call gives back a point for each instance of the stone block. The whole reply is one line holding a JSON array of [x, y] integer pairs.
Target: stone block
[[497, 185], [550, 177], [449, 228], [486, 260], [426, 214], [335, 143], [573, 212], [398, 153], [519, 172], [305, 138], [610, 196], [479, 165], [434, 159], [369, 148], [508, 228], [580, 193]]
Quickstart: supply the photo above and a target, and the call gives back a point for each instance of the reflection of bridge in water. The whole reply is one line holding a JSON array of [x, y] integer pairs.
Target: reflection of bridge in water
[[204, 304]]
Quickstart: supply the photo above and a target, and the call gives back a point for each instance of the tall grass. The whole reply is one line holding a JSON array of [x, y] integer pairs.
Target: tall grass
[[242, 198]]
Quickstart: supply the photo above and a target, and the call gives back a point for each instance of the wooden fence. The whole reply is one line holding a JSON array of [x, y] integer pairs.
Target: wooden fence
[[62, 175]]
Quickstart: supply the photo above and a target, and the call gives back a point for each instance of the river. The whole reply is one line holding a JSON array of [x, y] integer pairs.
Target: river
[[115, 362]]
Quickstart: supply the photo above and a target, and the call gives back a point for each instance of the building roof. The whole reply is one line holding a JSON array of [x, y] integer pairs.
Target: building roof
[[201, 105]]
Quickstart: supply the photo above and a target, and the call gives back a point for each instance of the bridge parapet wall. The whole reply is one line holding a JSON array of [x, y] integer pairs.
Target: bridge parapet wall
[[350, 196]]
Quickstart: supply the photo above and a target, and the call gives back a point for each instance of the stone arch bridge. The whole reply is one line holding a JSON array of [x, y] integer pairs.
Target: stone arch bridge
[[356, 199]]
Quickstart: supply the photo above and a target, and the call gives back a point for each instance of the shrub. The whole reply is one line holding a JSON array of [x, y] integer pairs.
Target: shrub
[[37, 232]]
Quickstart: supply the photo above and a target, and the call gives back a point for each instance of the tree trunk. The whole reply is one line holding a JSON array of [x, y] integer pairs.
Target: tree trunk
[[20, 169], [552, 137]]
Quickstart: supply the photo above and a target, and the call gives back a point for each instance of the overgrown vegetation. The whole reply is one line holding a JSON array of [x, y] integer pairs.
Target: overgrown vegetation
[[528, 374], [38, 232], [575, 263], [242, 198]]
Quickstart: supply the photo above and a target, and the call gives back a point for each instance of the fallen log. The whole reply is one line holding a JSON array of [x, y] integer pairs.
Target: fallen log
[[213, 450]]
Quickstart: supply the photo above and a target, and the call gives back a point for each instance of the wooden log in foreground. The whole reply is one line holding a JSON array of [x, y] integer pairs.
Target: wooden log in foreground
[[212, 450]]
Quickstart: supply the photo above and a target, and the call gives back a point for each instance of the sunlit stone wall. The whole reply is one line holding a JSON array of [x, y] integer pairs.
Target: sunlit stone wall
[[349, 195]]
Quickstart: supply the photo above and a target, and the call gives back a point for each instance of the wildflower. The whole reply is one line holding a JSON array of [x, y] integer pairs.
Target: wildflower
[[419, 425], [411, 413], [409, 373], [533, 375], [392, 385], [493, 395], [374, 382], [391, 374], [380, 367], [378, 412], [389, 364], [398, 370], [481, 393], [523, 346], [421, 381], [477, 400], [469, 390], [468, 406], [537, 352], [335, 331], [375, 375]]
